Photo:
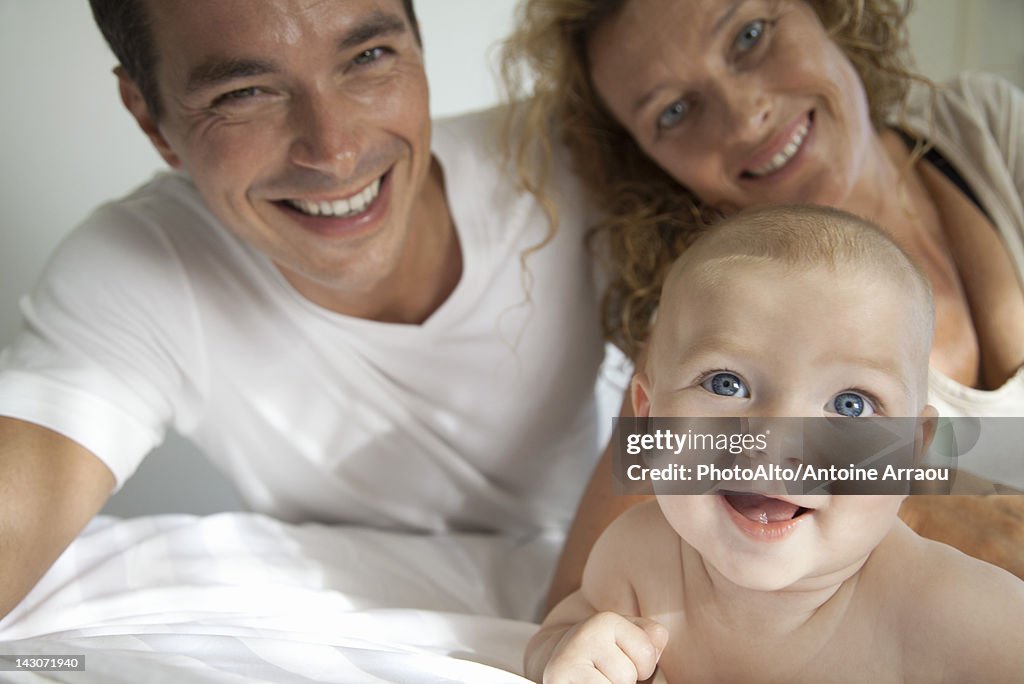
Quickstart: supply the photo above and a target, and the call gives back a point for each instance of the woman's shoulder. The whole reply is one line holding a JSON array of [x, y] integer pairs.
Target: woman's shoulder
[[976, 95]]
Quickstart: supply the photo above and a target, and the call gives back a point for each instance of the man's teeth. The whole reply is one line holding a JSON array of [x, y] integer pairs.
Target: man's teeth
[[781, 158], [349, 206]]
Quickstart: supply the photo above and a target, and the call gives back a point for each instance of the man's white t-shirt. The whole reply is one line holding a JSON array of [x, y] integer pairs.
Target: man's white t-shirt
[[151, 314]]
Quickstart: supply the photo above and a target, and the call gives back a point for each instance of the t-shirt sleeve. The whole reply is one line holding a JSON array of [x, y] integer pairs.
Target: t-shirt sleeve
[[108, 353]]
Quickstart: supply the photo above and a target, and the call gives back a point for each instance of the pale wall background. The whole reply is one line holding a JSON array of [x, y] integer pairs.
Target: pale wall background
[[66, 145]]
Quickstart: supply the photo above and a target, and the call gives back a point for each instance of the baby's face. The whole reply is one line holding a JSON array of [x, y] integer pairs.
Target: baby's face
[[767, 340]]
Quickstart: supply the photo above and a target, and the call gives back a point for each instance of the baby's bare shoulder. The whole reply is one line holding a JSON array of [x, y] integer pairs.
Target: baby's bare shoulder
[[639, 534], [961, 614], [638, 549]]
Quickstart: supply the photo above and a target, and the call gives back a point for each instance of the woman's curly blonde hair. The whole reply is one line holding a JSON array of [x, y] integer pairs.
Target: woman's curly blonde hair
[[650, 218]]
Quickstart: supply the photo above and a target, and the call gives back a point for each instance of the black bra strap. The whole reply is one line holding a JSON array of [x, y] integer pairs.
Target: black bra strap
[[935, 158]]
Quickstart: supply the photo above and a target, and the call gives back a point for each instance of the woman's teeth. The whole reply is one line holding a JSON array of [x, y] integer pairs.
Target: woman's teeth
[[780, 159], [350, 206]]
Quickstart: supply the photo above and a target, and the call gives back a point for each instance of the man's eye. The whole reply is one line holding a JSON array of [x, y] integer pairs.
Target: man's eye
[[726, 385], [673, 115], [851, 405], [237, 95], [371, 55]]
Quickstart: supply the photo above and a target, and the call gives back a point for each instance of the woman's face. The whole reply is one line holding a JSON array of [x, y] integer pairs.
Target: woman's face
[[744, 102]]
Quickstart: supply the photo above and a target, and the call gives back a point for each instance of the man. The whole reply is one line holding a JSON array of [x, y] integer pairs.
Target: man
[[329, 297]]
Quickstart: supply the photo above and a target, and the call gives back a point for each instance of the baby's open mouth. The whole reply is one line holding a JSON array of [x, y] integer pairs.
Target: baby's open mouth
[[763, 509]]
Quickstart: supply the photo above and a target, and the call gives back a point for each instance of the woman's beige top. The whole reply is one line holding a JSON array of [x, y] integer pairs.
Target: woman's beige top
[[977, 123]]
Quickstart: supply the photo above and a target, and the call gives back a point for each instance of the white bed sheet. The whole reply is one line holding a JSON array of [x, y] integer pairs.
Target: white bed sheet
[[239, 597]]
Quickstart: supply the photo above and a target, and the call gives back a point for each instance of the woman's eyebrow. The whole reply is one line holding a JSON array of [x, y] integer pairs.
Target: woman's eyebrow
[[726, 16]]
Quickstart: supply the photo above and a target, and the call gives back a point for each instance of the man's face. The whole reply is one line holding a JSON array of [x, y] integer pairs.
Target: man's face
[[304, 124]]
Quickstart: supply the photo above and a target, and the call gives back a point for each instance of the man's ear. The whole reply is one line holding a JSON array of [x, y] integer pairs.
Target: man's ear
[[133, 101], [927, 423], [639, 392]]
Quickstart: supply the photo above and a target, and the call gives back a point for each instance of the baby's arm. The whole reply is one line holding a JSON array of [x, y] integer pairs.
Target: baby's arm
[[596, 633]]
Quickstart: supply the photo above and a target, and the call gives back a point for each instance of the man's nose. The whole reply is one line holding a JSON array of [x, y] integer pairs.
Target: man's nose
[[325, 134]]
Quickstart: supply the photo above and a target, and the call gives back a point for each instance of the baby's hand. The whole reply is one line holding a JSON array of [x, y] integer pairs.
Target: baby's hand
[[607, 647]]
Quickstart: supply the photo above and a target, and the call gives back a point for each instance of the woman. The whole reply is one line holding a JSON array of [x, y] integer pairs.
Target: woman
[[678, 110]]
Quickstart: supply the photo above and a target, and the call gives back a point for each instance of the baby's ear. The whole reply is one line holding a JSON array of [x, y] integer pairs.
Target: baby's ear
[[640, 394], [927, 422]]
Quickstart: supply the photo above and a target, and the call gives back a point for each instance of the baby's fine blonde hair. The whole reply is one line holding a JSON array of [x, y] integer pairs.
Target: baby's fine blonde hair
[[805, 237]]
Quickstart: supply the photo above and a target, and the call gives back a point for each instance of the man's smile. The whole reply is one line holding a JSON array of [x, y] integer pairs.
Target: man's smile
[[342, 207]]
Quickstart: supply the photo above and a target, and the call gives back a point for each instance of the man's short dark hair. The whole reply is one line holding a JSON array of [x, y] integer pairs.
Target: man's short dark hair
[[126, 26]]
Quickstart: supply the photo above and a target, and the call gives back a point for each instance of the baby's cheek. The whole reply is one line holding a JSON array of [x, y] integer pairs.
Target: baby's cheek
[[687, 513]]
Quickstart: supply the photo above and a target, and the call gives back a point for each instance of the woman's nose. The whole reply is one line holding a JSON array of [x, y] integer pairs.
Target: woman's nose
[[747, 111]]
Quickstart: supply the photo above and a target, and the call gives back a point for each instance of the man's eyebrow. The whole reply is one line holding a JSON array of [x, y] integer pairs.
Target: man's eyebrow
[[216, 71], [374, 26]]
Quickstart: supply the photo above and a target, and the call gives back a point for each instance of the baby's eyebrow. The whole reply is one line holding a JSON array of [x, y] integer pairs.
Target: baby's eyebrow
[[874, 364]]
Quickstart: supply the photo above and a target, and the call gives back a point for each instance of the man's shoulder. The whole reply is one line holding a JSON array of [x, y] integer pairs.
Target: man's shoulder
[[469, 144], [154, 234], [167, 196], [482, 126]]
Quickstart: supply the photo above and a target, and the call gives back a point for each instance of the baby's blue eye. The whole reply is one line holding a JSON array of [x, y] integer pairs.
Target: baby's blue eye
[[672, 115], [726, 385], [750, 35], [851, 405]]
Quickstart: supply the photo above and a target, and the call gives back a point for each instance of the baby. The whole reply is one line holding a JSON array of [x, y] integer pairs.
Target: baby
[[787, 311]]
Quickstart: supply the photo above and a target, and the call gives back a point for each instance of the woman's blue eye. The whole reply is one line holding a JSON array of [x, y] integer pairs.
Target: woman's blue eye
[[672, 115], [750, 35], [851, 405], [726, 385]]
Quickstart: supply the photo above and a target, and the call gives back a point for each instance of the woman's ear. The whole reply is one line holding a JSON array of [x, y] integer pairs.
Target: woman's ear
[[135, 103]]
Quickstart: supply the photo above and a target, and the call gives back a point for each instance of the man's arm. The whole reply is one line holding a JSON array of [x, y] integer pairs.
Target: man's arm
[[597, 509], [50, 488]]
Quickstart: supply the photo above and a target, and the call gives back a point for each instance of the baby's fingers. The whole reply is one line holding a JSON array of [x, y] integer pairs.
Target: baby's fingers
[[641, 640], [607, 648]]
